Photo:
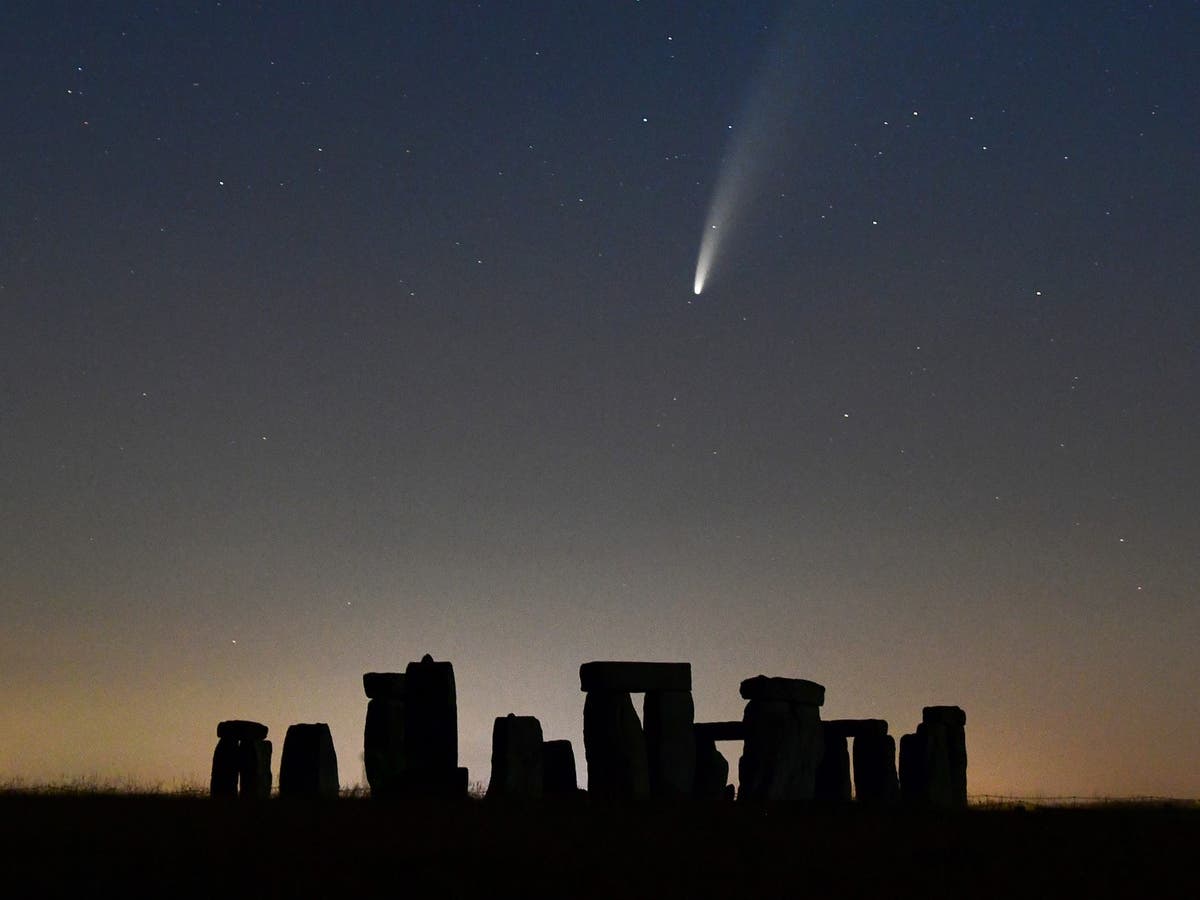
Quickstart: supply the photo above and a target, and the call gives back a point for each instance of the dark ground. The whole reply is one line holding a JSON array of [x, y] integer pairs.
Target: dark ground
[[169, 846]]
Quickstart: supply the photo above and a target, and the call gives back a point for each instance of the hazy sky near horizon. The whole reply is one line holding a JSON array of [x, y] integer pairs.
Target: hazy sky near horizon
[[335, 334]]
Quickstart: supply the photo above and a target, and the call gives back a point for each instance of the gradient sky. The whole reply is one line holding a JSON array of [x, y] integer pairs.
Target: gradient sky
[[334, 334]]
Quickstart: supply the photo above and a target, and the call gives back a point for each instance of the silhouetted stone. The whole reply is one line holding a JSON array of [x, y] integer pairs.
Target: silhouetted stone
[[786, 690], [875, 779], [517, 767], [712, 769], [925, 775], [308, 765], [383, 746], [721, 731], [832, 783], [781, 751], [668, 717], [615, 747], [242, 730], [430, 718], [254, 769], [384, 685], [914, 789], [224, 779], [953, 721], [855, 728], [558, 769], [635, 677]]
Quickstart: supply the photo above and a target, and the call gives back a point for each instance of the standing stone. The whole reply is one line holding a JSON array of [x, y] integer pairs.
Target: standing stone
[[254, 769], [430, 718], [914, 789], [383, 733], [668, 717], [712, 769], [783, 739], [953, 720], [224, 779], [558, 769], [308, 766], [875, 779], [833, 773], [615, 747], [517, 766]]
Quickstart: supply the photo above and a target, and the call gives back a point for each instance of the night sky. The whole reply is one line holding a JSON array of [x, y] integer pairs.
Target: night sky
[[335, 334]]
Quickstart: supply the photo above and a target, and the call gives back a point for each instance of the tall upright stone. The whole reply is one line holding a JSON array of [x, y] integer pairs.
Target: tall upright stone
[[254, 769], [953, 719], [933, 760], [558, 769], [783, 739], [875, 780], [615, 747], [431, 730], [518, 771], [712, 769], [308, 764], [224, 779], [667, 719], [383, 733], [833, 773]]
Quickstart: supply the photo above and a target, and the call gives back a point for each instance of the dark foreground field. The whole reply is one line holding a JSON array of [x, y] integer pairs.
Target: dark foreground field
[[167, 846]]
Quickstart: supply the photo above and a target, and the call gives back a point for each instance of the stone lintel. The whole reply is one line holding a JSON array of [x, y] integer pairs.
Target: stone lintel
[[635, 677], [242, 730], [943, 715], [787, 690], [384, 685]]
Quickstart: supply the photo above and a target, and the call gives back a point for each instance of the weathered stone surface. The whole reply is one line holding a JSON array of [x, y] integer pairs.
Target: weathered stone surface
[[224, 779], [944, 715], [308, 764], [615, 747], [721, 731], [254, 769], [855, 728], [635, 677], [833, 773], [383, 746], [712, 769], [384, 685], [781, 751], [668, 718], [785, 690], [875, 779], [517, 766], [430, 716], [558, 769], [242, 730]]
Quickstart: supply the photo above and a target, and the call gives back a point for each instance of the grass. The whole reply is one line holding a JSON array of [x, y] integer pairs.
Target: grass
[[62, 840]]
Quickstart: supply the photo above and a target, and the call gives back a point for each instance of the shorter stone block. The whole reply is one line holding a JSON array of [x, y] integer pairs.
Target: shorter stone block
[[242, 730], [875, 779], [668, 718], [783, 690], [517, 767], [635, 677], [558, 769], [944, 715], [855, 728], [384, 685], [254, 769], [308, 765], [224, 779], [721, 731], [615, 747]]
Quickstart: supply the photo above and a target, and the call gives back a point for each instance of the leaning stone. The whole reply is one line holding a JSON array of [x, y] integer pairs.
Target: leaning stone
[[712, 769], [943, 715], [635, 677], [430, 716], [384, 685], [254, 769], [242, 730], [308, 766], [517, 767], [875, 779], [786, 690], [383, 746], [558, 769], [224, 779], [615, 747], [782, 749], [832, 783], [721, 731], [855, 728], [668, 718]]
